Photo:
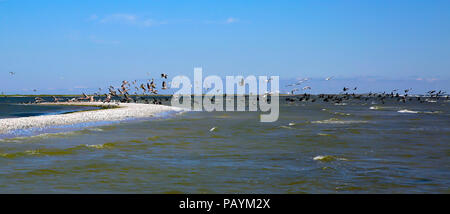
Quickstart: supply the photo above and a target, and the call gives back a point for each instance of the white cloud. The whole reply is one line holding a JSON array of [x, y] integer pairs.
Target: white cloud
[[129, 19], [151, 22], [231, 20], [96, 40], [93, 17], [427, 79], [123, 18]]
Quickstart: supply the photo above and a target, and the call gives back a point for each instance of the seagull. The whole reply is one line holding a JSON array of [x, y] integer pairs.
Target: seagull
[[12, 73], [164, 85], [329, 78], [213, 129], [306, 87], [164, 76]]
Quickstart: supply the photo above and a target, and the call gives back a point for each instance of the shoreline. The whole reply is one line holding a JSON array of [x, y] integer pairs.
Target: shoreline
[[108, 112]]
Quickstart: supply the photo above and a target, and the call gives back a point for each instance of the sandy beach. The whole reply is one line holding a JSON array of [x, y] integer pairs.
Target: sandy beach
[[115, 113]]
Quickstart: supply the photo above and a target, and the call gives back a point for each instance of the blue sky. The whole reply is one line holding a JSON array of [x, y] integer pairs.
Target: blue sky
[[75, 46]]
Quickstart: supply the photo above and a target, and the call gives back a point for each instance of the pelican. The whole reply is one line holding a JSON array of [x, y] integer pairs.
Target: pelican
[[268, 80], [38, 100], [55, 99], [241, 83]]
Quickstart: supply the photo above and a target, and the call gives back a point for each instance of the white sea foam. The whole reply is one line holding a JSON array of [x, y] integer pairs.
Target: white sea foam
[[338, 121], [125, 111], [328, 158], [340, 104], [407, 111]]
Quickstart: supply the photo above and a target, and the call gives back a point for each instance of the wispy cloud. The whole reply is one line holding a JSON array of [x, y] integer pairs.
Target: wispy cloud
[[93, 17], [96, 40], [128, 19], [119, 18], [427, 79], [229, 20]]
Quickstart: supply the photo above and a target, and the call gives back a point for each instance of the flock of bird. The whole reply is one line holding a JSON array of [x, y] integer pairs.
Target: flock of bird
[[144, 90], [122, 94], [346, 94]]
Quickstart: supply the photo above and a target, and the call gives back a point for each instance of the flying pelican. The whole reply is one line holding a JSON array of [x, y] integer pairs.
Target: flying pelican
[[241, 83], [268, 80]]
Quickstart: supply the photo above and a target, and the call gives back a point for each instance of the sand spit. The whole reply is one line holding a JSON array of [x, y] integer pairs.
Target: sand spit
[[123, 112]]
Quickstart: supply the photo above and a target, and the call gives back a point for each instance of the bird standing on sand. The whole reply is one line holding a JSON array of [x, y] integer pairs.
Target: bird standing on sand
[[38, 100], [55, 99]]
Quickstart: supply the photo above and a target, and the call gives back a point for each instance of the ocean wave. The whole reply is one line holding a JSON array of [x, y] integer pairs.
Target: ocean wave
[[376, 108], [340, 104], [407, 111], [56, 151], [338, 121], [342, 114], [328, 158]]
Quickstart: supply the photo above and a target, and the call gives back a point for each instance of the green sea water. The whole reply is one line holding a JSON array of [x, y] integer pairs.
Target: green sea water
[[360, 147]]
